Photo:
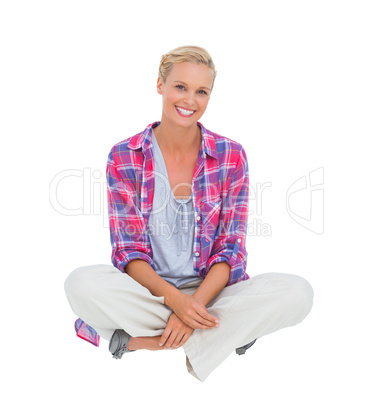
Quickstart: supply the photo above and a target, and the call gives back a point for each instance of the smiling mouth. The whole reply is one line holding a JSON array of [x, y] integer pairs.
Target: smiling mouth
[[184, 112]]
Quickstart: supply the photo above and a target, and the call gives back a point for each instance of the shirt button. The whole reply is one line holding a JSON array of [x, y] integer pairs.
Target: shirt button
[[198, 218], [197, 254], [239, 240]]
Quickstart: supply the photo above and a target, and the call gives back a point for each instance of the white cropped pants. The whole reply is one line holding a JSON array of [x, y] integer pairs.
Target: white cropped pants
[[107, 299]]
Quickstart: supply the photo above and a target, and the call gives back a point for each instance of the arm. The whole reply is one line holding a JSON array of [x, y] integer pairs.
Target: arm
[[142, 272], [229, 243], [214, 282], [177, 332], [128, 235], [131, 250], [190, 310], [180, 324]]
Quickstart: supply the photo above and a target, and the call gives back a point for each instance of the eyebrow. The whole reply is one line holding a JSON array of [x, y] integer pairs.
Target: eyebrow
[[186, 84]]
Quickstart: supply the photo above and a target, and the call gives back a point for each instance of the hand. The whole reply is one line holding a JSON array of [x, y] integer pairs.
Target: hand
[[176, 333], [193, 312]]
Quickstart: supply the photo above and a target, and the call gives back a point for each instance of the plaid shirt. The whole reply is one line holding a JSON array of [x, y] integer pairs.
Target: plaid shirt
[[220, 197]]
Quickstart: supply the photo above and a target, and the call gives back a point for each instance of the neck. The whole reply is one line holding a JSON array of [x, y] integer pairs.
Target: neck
[[177, 140]]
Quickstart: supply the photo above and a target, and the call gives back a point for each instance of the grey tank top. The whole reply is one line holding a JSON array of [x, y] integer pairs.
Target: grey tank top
[[171, 228]]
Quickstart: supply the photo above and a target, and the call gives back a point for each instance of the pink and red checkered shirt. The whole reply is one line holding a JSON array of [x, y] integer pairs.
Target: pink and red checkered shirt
[[220, 198]]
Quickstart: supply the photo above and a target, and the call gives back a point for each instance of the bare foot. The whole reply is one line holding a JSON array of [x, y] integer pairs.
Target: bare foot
[[148, 343]]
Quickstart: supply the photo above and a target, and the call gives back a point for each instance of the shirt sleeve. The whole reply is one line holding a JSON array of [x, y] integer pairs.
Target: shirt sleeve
[[128, 233], [229, 243]]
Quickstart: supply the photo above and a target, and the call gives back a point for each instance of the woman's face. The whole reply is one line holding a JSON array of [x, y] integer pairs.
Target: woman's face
[[186, 93]]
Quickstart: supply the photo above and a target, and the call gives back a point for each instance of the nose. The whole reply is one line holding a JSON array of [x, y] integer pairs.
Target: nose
[[189, 98]]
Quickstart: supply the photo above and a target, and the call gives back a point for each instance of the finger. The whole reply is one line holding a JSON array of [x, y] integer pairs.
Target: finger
[[165, 336], [206, 318], [194, 324], [170, 341], [180, 337], [177, 341], [203, 312], [201, 323], [200, 314], [184, 339], [197, 321]]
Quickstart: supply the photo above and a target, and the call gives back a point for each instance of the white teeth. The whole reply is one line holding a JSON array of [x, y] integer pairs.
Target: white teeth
[[185, 112]]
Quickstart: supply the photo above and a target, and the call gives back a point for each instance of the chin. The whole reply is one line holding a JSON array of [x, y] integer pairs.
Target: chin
[[177, 121]]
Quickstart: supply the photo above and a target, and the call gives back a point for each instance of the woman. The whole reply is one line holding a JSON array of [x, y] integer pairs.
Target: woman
[[178, 204]]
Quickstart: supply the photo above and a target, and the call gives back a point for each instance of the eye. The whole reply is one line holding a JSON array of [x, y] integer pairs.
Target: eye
[[179, 86], [203, 92]]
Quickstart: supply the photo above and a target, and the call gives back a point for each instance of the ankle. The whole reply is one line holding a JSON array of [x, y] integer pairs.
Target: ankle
[[133, 344], [147, 343]]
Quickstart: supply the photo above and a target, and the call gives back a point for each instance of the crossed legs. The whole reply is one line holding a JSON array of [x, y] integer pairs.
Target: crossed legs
[[107, 300]]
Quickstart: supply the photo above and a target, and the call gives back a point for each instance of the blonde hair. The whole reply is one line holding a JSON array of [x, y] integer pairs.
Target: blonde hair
[[192, 54]]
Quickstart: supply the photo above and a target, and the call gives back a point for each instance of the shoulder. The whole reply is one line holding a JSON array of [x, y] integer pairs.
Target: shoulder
[[228, 151], [128, 150]]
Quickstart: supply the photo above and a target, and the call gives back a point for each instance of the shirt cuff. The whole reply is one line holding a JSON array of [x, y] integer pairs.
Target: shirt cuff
[[231, 255], [121, 263]]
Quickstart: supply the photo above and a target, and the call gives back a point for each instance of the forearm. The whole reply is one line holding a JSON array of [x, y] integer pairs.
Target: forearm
[[143, 273], [213, 283], [189, 309]]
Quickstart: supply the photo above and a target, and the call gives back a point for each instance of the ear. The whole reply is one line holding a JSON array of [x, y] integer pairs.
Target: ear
[[159, 86]]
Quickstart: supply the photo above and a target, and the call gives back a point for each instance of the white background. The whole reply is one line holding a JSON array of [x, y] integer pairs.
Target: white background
[[294, 87]]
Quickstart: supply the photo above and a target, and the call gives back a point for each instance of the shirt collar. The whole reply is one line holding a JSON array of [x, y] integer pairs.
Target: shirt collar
[[144, 141]]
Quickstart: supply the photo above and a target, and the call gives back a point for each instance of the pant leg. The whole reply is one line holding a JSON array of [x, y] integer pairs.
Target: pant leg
[[107, 299], [247, 310]]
